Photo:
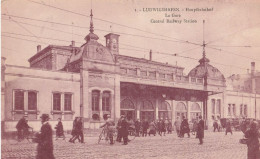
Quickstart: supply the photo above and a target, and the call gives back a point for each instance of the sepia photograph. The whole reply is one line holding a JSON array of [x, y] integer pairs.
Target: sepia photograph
[[125, 79]]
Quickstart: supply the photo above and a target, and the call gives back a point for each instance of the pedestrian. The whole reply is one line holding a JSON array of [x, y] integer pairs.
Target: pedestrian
[[252, 136], [20, 127], [124, 130], [177, 125], [110, 128], [44, 140], [81, 130], [200, 130], [159, 127], [59, 130], [77, 131], [228, 127], [215, 125], [185, 127], [169, 127], [163, 127], [152, 128], [73, 131], [243, 125], [145, 126], [137, 127], [118, 127]]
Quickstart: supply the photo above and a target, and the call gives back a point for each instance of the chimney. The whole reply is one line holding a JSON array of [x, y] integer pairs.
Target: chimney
[[39, 48], [151, 54], [72, 43], [252, 68]]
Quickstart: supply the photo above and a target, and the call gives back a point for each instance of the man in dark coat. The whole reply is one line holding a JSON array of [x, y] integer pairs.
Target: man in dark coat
[[200, 130], [228, 127], [59, 130], [145, 126], [73, 132], [137, 127], [118, 127], [19, 127], [78, 132], [44, 139], [124, 130], [252, 143], [185, 127]]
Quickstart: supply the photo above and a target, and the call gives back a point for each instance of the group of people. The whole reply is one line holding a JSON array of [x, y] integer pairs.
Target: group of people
[[45, 143], [77, 131], [182, 127], [151, 128]]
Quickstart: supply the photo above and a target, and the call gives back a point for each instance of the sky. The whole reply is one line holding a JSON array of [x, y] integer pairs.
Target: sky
[[230, 28]]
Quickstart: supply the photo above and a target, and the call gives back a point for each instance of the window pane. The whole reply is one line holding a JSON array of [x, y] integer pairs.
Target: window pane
[[213, 106], [67, 102], [234, 109], [106, 101], [95, 100], [56, 101], [32, 100], [245, 110], [19, 100], [218, 109]]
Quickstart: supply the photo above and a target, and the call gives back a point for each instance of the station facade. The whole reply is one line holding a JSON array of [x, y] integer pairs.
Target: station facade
[[93, 80]]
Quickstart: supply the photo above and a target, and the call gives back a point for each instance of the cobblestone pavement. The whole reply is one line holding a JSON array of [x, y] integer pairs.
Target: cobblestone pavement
[[216, 146]]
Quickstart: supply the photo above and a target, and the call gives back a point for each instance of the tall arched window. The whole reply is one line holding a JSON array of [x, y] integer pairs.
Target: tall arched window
[[106, 101], [195, 111], [165, 110], [95, 100]]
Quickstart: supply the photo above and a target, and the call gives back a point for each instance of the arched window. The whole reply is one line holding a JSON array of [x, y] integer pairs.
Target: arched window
[[95, 100], [106, 101], [146, 105], [127, 104], [181, 107], [165, 106], [165, 110], [195, 107]]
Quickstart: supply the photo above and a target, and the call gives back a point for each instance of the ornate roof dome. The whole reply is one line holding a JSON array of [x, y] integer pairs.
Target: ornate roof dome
[[91, 35], [205, 69]]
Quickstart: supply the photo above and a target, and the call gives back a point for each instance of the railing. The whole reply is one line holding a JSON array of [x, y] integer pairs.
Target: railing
[[161, 76]]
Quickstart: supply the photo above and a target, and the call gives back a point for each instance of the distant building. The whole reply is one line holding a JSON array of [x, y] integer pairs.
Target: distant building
[[93, 80]]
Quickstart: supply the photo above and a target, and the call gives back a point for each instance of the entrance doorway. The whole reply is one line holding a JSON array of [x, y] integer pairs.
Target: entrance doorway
[[181, 110], [127, 108], [128, 113], [165, 111], [147, 111], [195, 111]]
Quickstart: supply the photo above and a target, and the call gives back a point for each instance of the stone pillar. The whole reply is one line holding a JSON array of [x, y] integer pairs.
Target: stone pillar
[[188, 110], [156, 109], [138, 112], [26, 102], [62, 105], [117, 97], [100, 106]]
